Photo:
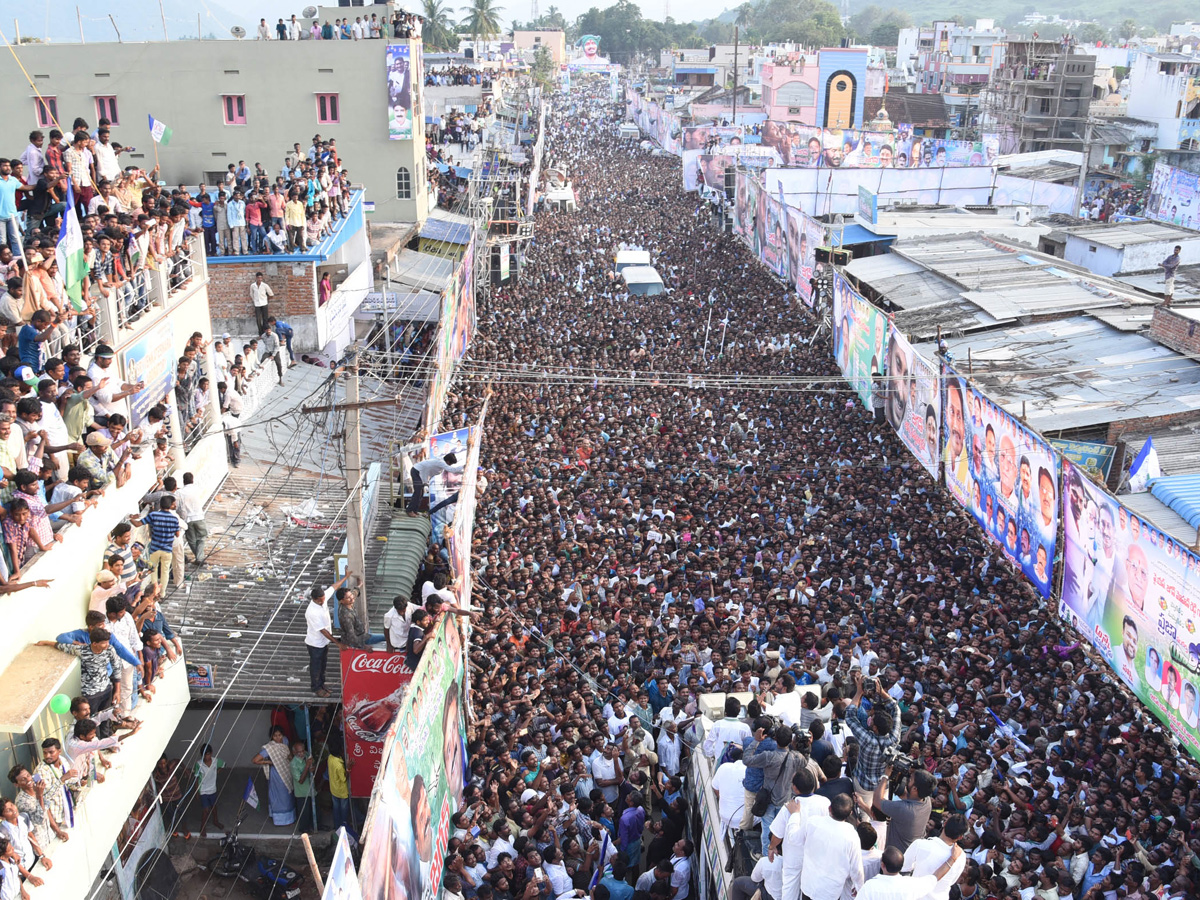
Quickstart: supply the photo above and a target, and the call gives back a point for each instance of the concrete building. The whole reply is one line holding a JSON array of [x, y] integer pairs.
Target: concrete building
[[325, 328], [789, 88], [227, 101], [953, 60], [145, 348], [1165, 89], [1112, 249], [555, 41], [1040, 97]]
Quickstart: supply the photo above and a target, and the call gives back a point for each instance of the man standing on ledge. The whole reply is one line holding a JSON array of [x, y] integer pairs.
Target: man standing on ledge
[[1169, 265], [260, 295], [318, 636]]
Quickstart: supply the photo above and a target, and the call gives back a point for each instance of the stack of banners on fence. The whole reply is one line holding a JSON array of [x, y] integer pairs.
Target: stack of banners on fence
[[342, 881], [813, 146], [803, 234], [444, 486], [373, 687], [709, 168], [704, 154], [464, 513], [1134, 592], [859, 332], [1005, 475], [400, 92], [1173, 195], [827, 191], [421, 777], [913, 400]]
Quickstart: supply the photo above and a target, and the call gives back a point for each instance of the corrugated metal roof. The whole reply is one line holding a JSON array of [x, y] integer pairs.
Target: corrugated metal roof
[[1125, 234], [1134, 318], [1182, 494], [1077, 372], [450, 232], [423, 271], [1187, 283], [1177, 446]]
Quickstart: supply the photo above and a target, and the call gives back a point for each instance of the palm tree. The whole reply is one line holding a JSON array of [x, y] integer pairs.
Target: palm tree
[[744, 13], [482, 21], [438, 29]]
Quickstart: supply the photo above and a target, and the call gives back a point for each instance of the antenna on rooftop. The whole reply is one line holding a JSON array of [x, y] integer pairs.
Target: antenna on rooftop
[[238, 32], [310, 12]]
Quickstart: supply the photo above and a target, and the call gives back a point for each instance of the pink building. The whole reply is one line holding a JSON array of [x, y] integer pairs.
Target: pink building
[[789, 89]]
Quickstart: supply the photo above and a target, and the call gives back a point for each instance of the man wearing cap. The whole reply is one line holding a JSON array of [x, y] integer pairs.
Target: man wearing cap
[[105, 401], [32, 336], [103, 466]]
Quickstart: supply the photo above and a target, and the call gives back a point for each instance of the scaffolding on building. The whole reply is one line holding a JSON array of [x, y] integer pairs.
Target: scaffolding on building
[[1039, 99]]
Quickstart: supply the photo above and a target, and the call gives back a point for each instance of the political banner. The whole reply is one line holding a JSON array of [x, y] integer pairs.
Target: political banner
[[813, 146], [1133, 592], [400, 92], [913, 400], [805, 234], [859, 333], [693, 174], [150, 361], [421, 780], [1006, 475], [1095, 457], [341, 883], [774, 247], [1173, 196], [373, 685]]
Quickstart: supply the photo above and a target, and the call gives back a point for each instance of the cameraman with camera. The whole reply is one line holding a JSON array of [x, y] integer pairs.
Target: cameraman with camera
[[778, 766], [908, 814], [877, 738]]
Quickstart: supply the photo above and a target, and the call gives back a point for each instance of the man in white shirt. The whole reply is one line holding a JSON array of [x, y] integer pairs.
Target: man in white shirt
[[439, 586], [681, 855], [889, 884], [501, 844], [107, 166], [787, 705], [832, 853], [120, 624], [425, 470], [727, 786], [395, 624], [939, 856], [190, 508], [260, 296], [670, 747], [787, 830], [766, 878], [107, 400], [729, 730], [317, 637], [606, 772]]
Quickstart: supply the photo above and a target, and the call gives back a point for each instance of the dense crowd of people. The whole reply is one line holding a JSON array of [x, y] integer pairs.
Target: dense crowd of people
[[1106, 201], [457, 76], [918, 708]]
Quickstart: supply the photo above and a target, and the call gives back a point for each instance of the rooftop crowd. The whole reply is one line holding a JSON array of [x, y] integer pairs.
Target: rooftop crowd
[[640, 545], [363, 28]]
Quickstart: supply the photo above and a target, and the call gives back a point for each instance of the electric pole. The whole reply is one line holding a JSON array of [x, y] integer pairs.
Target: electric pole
[[355, 542], [1083, 168]]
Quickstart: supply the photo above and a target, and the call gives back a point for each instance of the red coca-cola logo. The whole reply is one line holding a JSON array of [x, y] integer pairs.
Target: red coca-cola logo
[[380, 663]]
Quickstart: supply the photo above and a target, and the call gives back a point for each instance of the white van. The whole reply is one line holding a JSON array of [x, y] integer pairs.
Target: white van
[[629, 132], [561, 199], [627, 258], [643, 281]]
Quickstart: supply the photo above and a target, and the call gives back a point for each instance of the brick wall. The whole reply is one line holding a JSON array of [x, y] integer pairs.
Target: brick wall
[[294, 284], [1178, 332], [1147, 425]]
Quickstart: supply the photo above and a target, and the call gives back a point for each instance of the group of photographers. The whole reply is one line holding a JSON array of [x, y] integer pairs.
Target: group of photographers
[[843, 813]]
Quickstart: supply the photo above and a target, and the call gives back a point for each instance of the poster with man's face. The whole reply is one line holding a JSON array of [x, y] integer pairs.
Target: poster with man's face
[[912, 403]]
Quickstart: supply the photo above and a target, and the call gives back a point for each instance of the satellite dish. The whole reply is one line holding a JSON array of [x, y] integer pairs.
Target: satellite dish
[[238, 32], [310, 12]]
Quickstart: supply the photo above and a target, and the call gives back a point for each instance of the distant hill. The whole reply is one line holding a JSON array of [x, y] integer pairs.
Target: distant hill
[[138, 20], [1154, 13]]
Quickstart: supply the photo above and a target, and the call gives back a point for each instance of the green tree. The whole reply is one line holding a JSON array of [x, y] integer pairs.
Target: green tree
[[1090, 32], [438, 30], [543, 66], [1128, 29], [482, 21]]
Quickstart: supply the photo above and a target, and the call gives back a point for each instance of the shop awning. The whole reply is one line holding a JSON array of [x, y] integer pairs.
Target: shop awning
[[29, 682]]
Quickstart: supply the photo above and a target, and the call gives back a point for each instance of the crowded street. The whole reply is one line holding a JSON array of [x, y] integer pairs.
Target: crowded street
[[663, 519]]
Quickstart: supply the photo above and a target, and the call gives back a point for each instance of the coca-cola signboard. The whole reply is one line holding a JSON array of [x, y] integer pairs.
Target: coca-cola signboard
[[373, 685]]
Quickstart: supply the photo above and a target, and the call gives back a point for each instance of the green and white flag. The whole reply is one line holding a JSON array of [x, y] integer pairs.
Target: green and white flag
[[160, 132], [69, 253]]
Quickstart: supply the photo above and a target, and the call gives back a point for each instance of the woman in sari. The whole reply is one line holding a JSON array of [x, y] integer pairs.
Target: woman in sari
[[276, 759]]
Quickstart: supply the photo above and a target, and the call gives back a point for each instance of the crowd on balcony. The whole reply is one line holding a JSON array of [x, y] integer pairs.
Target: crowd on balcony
[[364, 28], [458, 76], [253, 212]]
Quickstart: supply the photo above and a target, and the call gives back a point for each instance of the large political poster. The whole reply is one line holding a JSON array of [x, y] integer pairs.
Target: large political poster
[[400, 92], [1134, 592], [775, 244], [813, 146], [1173, 196], [150, 362], [859, 333], [912, 400], [421, 779], [804, 236], [1005, 475]]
